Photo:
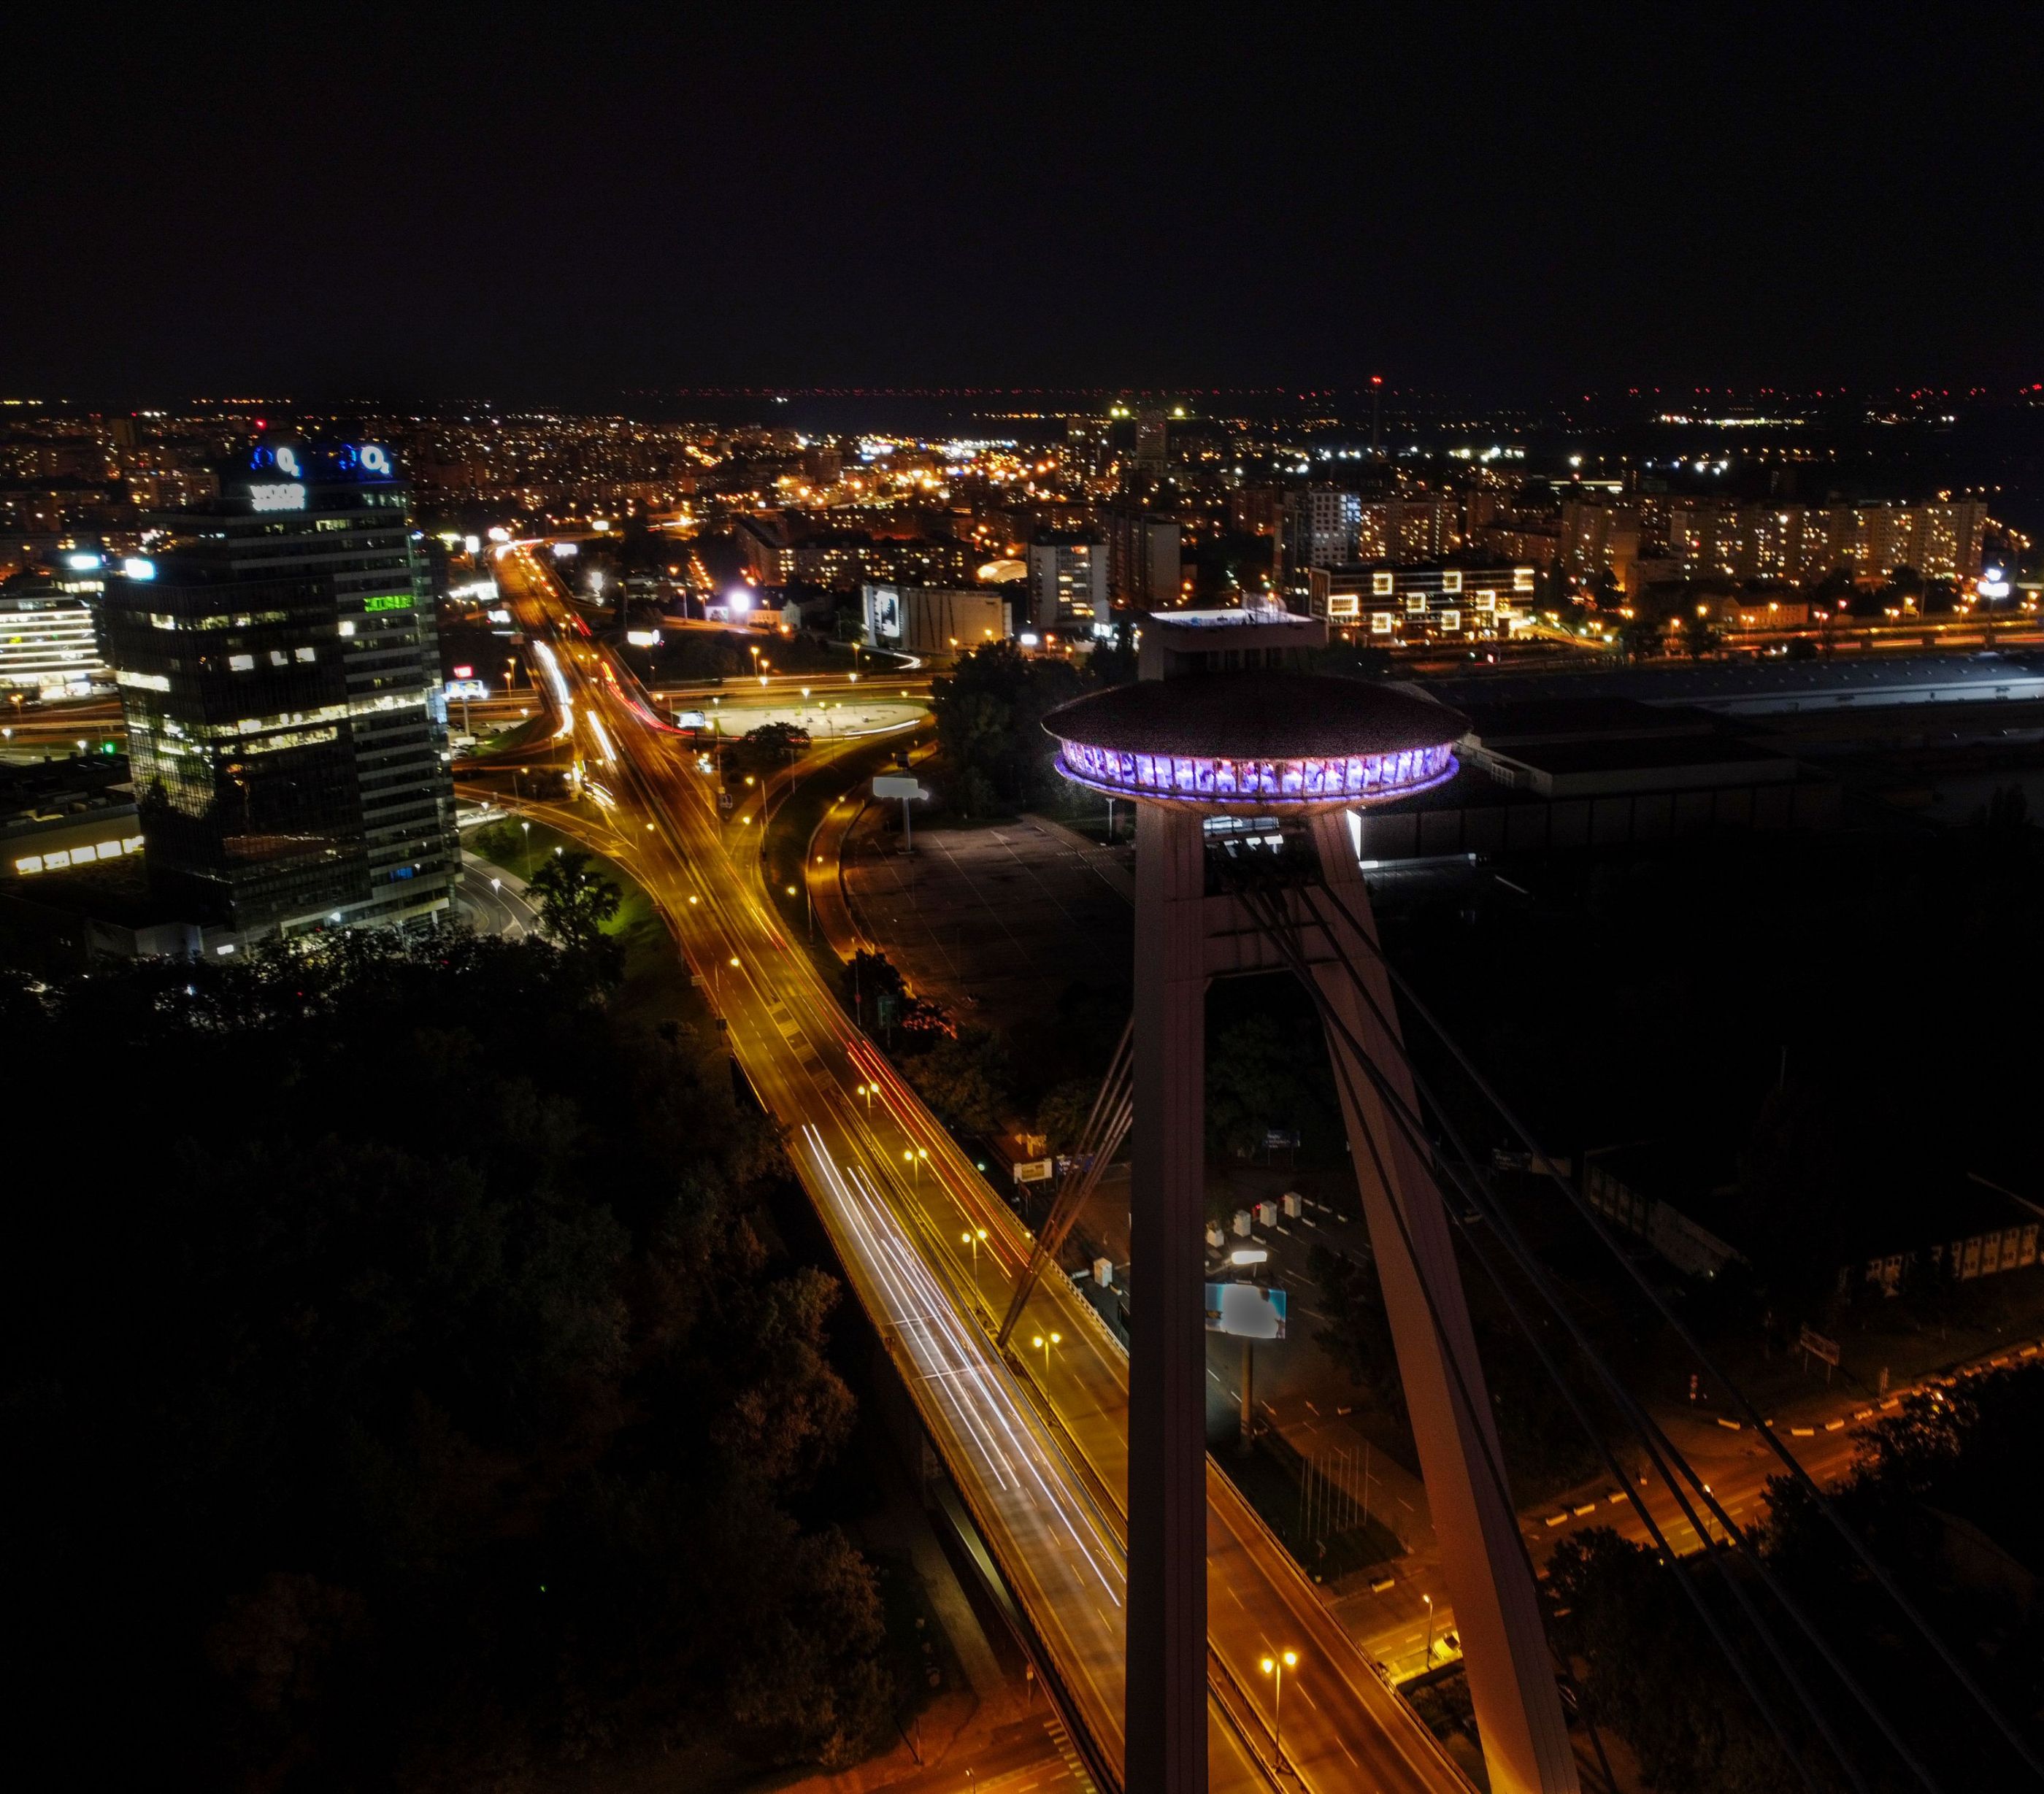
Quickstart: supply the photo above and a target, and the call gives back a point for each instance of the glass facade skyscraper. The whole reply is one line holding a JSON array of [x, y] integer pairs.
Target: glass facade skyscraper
[[279, 669]]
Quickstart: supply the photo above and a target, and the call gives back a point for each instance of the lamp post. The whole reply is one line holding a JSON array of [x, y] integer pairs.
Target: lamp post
[[972, 1236], [1275, 1667], [528, 828], [1426, 1663], [1044, 1342]]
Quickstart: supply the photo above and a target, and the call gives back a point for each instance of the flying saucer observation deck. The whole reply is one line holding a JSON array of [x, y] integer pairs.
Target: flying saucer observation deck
[[1278, 742]]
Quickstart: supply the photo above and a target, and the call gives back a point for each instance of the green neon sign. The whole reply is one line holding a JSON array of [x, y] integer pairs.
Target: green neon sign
[[395, 601]]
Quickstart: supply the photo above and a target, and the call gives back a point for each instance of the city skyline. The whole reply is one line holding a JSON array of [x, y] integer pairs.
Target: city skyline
[[1027, 900]]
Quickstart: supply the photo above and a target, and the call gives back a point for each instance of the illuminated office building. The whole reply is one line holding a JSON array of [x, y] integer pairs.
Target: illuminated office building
[[1445, 601], [279, 669], [48, 646]]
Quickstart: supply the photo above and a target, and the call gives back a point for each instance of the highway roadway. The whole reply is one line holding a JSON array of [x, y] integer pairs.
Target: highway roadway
[[1036, 1444]]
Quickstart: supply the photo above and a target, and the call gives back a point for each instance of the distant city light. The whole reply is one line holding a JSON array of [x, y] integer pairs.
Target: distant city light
[[740, 599]]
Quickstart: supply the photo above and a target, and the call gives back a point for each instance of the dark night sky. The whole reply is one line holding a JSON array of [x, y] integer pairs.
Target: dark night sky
[[1495, 204]]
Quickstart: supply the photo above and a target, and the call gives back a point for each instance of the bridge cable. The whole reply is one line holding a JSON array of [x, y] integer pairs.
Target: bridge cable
[[1107, 1125], [1660, 1448], [1799, 1475], [1495, 1470]]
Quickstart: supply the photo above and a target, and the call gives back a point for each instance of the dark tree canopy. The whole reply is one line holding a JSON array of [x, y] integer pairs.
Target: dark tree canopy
[[1945, 1495], [404, 1387]]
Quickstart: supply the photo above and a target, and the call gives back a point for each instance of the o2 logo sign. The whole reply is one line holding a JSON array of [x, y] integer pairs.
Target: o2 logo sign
[[365, 460], [364, 457]]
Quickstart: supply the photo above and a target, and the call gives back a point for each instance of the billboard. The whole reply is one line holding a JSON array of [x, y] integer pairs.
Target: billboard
[[1246, 1311]]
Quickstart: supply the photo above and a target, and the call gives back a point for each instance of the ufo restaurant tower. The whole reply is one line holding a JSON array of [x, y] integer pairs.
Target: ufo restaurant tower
[[1230, 751]]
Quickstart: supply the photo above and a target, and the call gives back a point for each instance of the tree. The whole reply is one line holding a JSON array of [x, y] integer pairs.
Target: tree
[[1643, 637], [990, 707], [1653, 1673], [575, 902], [972, 794], [1357, 1334], [1252, 1084], [444, 1415], [869, 978], [964, 1079], [1061, 1118], [1835, 584], [1943, 1494], [1701, 636]]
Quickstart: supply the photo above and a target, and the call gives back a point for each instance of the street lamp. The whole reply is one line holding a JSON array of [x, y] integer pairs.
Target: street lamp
[[528, 828], [1275, 1667], [866, 1090], [1045, 1341], [1429, 1600], [972, 1236]]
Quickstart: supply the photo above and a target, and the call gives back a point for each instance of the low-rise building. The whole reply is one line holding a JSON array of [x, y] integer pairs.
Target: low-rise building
[[1543, 775], [1963, 1228], [937, 622], [841, 560], [1436, 601]]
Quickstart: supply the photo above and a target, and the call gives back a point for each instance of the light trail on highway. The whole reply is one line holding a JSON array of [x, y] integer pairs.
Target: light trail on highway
[[1039, 1456]]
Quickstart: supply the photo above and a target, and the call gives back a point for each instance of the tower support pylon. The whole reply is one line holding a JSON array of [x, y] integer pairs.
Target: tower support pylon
[[1185, 936], [1267, 741]]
